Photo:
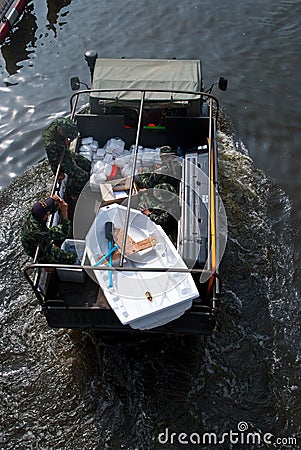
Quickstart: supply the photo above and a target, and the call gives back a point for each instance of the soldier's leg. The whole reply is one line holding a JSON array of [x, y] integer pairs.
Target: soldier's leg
[[78, 177], [55, 255], [82, 162], [77, 183], [74, 170], [62, 257]]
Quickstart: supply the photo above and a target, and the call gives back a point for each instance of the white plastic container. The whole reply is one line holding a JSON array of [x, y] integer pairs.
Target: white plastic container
[[98, 166], [101, 152], [108, 158], [96, 158], [94, 145], [108, 170], [126, 171], [96, 179], [87, 140], [78, 248], [132, 148], [115, 145]]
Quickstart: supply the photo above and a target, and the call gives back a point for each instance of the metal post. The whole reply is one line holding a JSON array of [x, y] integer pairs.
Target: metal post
[[127, 217], [209, 174], [212, 262]]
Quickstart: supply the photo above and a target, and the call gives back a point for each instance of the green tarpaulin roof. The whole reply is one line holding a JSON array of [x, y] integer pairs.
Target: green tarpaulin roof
[[175, 75]]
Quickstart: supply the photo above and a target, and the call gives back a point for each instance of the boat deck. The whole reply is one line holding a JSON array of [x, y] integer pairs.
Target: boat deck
[[78, 294], [69, 297]]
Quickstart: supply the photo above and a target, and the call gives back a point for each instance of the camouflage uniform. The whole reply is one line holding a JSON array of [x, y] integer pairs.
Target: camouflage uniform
[[36, 232], [168, 172], [157, 201], [156, 180], [147, 178], [74, 165]]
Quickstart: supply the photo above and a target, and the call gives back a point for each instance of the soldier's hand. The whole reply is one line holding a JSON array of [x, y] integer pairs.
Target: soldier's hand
[[63, 207], [56, 198]]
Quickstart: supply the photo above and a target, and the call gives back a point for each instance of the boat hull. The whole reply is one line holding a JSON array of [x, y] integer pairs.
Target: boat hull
[[171, 293]]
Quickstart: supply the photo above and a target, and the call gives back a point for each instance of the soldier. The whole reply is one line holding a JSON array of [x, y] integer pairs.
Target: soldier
[[167, 172], [160, 204], [35, 232], [56, 138]]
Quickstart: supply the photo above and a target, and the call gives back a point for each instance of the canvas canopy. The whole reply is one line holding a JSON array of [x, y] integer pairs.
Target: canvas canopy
[[174, 75]]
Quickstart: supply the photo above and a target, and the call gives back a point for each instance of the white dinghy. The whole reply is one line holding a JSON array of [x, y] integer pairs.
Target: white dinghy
[[143, 300]]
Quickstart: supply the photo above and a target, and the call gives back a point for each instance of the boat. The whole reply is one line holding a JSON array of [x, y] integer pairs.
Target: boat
[[134, 273], [170, 294], [10, 12]]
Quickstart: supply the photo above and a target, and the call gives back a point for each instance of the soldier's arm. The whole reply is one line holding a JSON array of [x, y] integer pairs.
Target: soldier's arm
[[159, 217], [53, 154], [60, 231]]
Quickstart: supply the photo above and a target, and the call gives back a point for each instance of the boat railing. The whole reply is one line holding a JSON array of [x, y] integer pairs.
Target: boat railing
[[212, 216], [202, 95], [37, 269]]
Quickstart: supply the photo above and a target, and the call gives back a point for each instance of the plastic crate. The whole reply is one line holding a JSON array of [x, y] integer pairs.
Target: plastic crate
[[78, 248]]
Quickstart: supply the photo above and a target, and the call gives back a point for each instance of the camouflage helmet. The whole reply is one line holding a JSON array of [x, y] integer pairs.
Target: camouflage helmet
[[164, 192], [166, 149], [67, 128]]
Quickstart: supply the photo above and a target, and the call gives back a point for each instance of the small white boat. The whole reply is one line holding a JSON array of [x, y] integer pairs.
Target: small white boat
[[143, 300]]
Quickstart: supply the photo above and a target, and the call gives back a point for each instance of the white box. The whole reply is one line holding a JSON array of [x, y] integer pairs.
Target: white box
[[78, 248]]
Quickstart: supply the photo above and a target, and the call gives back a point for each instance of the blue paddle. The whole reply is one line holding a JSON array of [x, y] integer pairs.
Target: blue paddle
[[106, 256], [110, 237]]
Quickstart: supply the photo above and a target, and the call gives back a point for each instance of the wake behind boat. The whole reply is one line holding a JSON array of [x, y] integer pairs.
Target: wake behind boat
[[146, 227]]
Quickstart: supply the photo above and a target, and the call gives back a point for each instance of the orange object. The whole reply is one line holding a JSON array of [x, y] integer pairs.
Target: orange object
[[113, 173]]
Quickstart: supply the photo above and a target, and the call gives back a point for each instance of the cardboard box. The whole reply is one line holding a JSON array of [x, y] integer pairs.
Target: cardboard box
[[106, 193], [109, 196], [115, 191], [121, 184]]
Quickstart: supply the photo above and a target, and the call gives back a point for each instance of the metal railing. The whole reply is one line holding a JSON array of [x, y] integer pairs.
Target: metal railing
[[203, 96], [37, 267]]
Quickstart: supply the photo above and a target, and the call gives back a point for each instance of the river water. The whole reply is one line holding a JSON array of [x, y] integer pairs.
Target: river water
[[71, 390]]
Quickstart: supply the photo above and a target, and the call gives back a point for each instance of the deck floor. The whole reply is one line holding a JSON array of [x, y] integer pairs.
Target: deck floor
[[79, 294]]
